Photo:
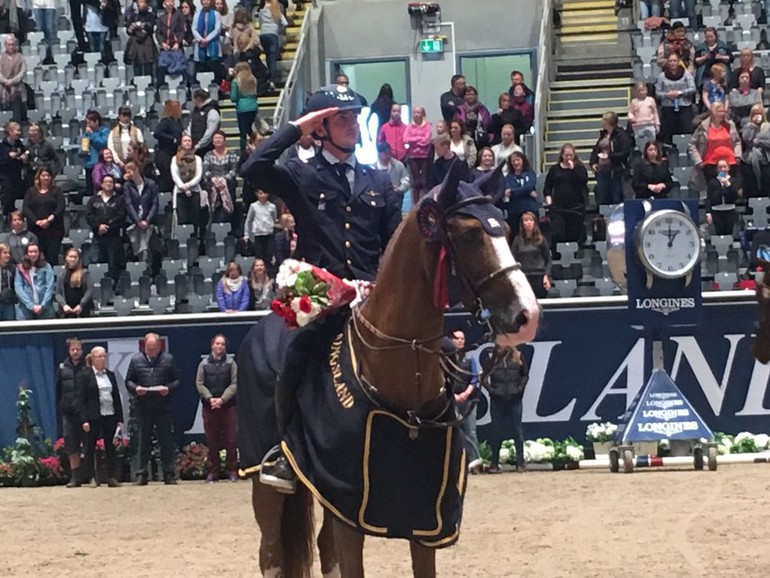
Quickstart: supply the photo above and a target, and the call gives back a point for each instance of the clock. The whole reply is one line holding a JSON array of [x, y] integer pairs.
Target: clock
[[669, 245]]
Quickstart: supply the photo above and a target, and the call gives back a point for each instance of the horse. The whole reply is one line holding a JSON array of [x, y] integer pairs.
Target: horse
[[395, 335], [761, 347]]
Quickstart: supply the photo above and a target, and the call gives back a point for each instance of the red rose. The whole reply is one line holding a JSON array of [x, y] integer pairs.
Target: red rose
[[277, 307], [291, 317], [304, 304]]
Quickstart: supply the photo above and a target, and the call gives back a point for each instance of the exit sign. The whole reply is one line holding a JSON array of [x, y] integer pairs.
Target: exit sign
[[431, 46]]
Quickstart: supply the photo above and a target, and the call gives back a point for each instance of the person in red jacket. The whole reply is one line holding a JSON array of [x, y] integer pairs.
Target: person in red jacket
[[392, 132]]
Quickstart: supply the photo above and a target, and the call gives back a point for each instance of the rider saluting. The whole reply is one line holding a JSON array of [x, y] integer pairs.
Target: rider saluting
[[345, 213]]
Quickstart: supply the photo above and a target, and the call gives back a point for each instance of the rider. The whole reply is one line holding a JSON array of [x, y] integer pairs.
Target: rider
[[345, 214]]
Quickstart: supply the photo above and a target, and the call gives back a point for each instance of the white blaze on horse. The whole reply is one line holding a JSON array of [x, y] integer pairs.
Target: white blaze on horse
[[384, 379]]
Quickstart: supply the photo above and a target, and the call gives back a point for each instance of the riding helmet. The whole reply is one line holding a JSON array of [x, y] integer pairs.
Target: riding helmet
[[333, 95]]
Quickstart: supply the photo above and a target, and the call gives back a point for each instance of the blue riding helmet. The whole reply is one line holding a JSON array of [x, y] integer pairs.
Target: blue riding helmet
[[333, 95]]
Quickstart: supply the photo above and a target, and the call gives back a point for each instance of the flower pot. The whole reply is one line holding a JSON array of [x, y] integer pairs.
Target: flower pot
[[602, 449]]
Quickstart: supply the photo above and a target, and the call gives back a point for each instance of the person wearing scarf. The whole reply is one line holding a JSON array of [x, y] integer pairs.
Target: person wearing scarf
[[187, 172], [676, 42], [233, 290], [13, 69], [220, 167], [206, 29], [34, 286], [261, 287], [675, 89], [123, 133]]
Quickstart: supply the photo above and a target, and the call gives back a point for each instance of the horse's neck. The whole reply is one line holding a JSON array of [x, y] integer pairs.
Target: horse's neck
[[401, 305]]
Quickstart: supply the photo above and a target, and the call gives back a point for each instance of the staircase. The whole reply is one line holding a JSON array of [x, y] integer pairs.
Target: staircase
[[594, 74], [267, 103]]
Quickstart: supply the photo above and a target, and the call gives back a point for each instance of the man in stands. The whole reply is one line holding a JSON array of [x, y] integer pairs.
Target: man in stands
[[399, 176], [444, 158], [69, 396], [392, 132], [204, 121], [517, 79], [453, 98], [150, 378], [344, 80], [18, 237]]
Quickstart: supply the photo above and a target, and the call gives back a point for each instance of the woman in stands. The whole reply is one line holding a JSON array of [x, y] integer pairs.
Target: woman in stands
[[675, 90], [417, 139], [168, 135], [743, 98], [261, 287], [755, 153], [461, 144], [714, 140], [141, 202], [220, 167], [474, 116], [721, 196], [227, 24], [566, 195], [520, 196], [206, 28], [272, 23], [713, 51], [243, 93], [504, 115], [188, 11], [106, 166], [382, 105], [34, 284], [242, 27], [74, 288], [233, 290], [122, 134], [187, 172], [651, 175], [44, 210], [486, 163], [7, 288], [756, 73], [139, 153], [141, 51]]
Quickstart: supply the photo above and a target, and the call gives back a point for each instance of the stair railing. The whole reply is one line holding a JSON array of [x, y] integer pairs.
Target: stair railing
[[282, 113], [545, 75]]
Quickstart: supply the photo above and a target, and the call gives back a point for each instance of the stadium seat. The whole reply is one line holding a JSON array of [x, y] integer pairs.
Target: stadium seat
[[183, 232], [173, 267], [160, 304], [136, 269], [209, 266], [757, 218], [566, 252], [726, 281], [566, 287], [220, 230]]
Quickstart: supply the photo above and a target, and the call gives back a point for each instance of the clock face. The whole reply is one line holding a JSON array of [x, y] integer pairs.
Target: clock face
[[669, 244]]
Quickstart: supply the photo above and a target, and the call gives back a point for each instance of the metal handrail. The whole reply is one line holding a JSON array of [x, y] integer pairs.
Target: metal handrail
[[544, 78], [282, 106]]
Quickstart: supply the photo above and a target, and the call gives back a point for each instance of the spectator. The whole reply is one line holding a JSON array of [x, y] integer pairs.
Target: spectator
[[227, 24], [454, 98], [101, 413], [204, 121], [608, 160], [7, 288], [676, 42], [217, 384], [13, 70], [44, 12], [504, 115], [206, 29], [382, 107], [123, 133], [506, 147], [14, 159], [140, 48], [715, 88], [168, 135], [139, 153], [486, 163], [652, 177], [106, 166], [743, 98], [461, 144], [507, 377], [756, 73], [684, 9], [74, 288], [141, 201], [92, 142], [649, 8], [283, 238], [187, 8], [272, 22], [417, 139], [755, 146], [242, 27], [41, 152], [713, 51], [721, 196], [18, 237], [520, 190], [675, 89], [13, 21], [249, 50], [715, 139], [392, 133], [517, 79], [343, 80], [442, 127], [261, 287], [243, 93], [170, 34], [151, 377], [220, 167], [520, 103], [474, 116], [106, 215], [442, 144], [643, 115], [566, 194], [233, 290], [396, 170], [69, 396], [44, 211], [97, 15], [260, 226], [305, 149], [34, 284], [531, 251], [463, 383], [187, 172]]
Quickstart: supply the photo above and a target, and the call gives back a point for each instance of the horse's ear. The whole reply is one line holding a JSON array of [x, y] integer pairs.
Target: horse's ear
[[489, 183], [448, 195]]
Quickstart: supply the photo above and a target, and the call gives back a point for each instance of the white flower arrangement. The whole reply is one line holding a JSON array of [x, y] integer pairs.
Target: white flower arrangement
[[574, 453], [539, 451], [601, 432], [762, 441], [287, 272]]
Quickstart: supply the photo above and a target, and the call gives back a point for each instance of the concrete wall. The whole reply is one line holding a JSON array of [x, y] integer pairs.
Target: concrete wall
[[375, 29]]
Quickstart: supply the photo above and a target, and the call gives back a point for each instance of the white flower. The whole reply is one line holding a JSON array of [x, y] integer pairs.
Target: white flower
[[744, 435], [574, 453], [724, 447], [302, 317], [505, 455], [664, 444], [762, 440]]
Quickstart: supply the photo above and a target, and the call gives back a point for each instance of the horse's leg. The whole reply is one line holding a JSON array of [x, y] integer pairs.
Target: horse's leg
[[349, 545], [330, 568], [268, 510], [423, 560]]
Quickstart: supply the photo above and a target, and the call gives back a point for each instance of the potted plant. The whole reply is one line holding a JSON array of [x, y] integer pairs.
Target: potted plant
[[601, 435]]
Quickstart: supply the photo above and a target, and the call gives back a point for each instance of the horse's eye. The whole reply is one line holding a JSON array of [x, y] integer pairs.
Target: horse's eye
[[470, 236]]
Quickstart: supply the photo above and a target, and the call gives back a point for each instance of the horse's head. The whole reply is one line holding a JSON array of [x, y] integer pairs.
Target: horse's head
[[761, 348], [473, 232]]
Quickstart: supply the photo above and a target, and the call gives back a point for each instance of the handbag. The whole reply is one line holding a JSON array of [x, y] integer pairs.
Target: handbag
[[173, 61]]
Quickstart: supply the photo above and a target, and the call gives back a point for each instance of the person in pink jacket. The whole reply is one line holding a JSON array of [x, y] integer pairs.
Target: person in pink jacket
[[417, 140], [392, 132], [643, 116]]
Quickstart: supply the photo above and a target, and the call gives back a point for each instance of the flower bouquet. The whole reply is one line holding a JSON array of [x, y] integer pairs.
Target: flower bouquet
[[309, 292]]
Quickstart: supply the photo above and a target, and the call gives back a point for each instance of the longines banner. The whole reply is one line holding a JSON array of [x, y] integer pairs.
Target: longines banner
[[587, 365]]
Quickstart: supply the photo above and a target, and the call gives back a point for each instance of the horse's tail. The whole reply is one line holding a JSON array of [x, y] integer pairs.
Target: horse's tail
[[297, 532]]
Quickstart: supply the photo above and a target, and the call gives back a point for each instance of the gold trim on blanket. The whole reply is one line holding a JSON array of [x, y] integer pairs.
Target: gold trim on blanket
[[245, 473], [439, 520], [344, 396]]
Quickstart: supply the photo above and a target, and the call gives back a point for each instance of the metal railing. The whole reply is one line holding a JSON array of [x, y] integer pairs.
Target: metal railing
[[545, 75], [282, 112]]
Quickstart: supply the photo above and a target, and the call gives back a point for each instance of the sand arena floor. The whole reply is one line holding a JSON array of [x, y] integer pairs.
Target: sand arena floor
[[571, 524]]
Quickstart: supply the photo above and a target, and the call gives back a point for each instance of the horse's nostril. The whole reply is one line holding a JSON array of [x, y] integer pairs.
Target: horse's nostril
[[521, 319]]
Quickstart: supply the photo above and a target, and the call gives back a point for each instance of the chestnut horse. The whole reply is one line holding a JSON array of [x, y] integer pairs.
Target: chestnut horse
[[761, 348], [396, 340]]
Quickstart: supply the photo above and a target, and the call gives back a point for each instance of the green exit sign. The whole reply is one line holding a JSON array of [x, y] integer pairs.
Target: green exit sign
[[431, 46]]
